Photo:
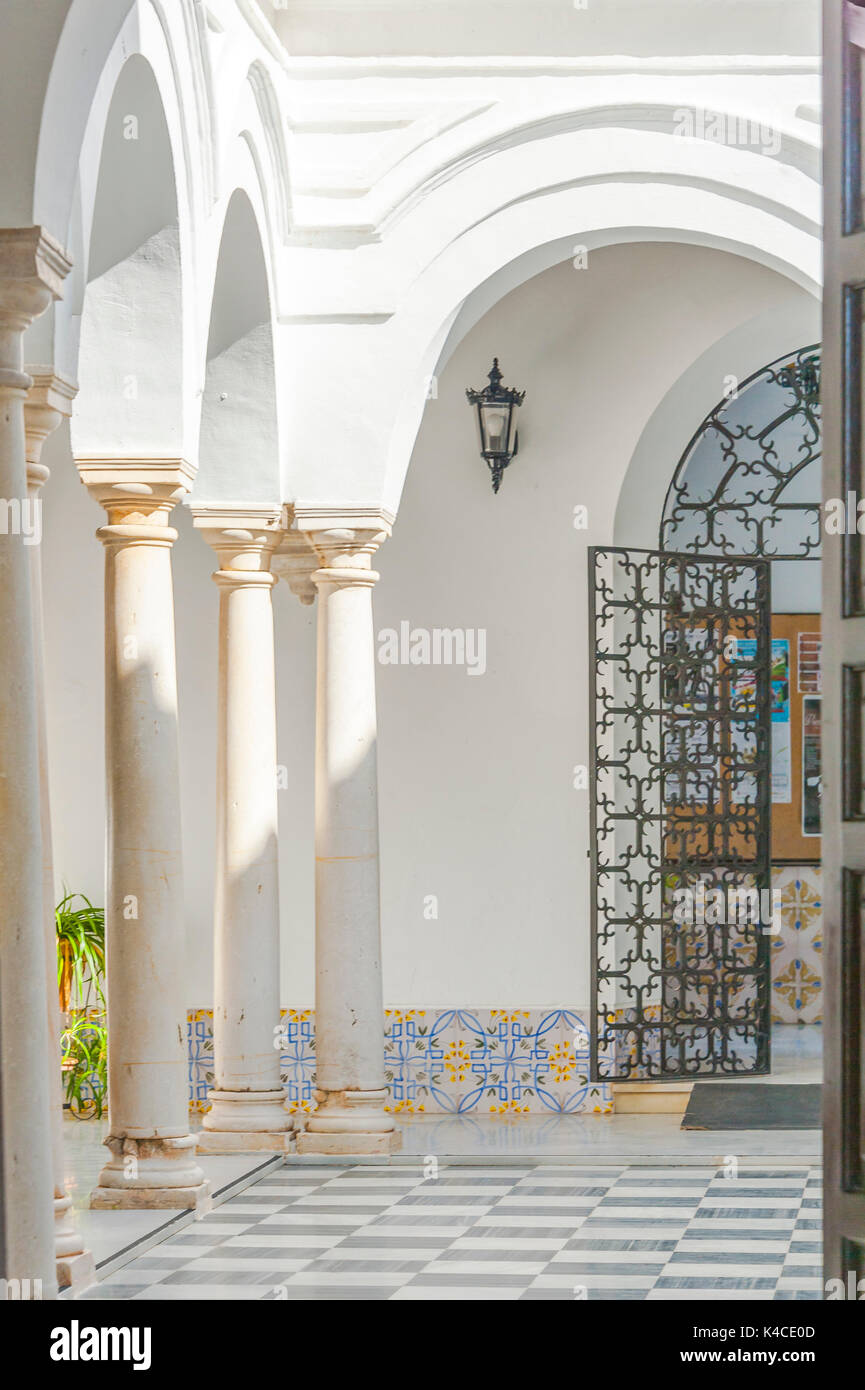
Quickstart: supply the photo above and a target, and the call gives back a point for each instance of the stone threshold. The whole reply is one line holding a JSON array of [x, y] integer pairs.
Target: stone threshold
[[651, 1097]]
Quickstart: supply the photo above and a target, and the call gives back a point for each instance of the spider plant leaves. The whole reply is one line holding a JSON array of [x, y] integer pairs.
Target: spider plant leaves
[[81, 948]]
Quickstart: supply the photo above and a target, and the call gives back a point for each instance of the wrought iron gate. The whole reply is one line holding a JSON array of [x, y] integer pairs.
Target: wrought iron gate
[[680, 688]]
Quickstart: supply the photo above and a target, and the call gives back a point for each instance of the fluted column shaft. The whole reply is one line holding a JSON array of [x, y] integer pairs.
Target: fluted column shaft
[[349, 1020], [248, 1099], [32, 269], [152, 1162]]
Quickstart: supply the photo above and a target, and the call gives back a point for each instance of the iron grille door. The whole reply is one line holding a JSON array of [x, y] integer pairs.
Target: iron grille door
[[680, 784]]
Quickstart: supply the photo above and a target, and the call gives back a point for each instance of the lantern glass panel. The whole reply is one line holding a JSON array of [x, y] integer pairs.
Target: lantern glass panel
[[496, 416]]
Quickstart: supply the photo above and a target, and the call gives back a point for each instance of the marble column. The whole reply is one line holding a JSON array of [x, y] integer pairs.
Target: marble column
[[152, 1153], [49, 400], [349, 1017], [32, 270], [248, 1110]]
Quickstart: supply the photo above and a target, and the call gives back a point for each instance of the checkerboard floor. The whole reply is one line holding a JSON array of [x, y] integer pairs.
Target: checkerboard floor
[[525, 1231]]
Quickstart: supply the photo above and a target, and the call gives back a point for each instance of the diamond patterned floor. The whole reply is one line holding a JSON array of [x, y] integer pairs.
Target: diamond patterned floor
[[525, 1231]]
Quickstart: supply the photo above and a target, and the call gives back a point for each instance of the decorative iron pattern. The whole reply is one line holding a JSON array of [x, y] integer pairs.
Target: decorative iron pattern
[[680, 686], [748, 483]]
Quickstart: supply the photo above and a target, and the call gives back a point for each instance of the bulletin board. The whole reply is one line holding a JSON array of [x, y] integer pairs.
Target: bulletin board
[[796, 738]]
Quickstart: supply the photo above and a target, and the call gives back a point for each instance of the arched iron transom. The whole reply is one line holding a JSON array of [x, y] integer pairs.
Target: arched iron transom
[[749, 484]]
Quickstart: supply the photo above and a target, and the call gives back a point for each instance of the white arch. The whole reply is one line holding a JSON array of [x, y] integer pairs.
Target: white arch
[[224, 135], [793, 143], [381, 316], [750, 346], [206, 113], [97, 39], [243, 170], [658, 212], [133, 338], [468, 209], [237, 446], [71, 141]]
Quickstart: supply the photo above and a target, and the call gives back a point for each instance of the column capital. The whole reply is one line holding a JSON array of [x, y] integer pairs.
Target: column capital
[[296, 561], [243, 534], [344, 539], [49, 400], [33, 267], [135, 491]]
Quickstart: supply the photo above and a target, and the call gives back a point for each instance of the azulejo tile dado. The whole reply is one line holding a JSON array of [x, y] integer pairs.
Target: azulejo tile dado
[[297, 1058], [199, 1041], [518, 1061], [797, 949], [452, 1061], [493, 1061], [296, 1039]]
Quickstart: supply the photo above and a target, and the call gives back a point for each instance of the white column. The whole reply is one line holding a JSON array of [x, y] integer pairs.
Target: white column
[[32, 269], [49, 400], [349, 1021], [152, 1162], [248, 1099]]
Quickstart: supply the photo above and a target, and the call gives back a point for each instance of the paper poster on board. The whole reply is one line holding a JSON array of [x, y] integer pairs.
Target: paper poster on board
[[812, 773], [782, 743]]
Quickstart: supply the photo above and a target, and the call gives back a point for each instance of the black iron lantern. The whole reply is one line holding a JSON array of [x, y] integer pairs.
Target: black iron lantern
[[497, 422]]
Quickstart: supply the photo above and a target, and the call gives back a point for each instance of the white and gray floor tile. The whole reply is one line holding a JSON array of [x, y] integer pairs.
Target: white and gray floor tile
[[527, 1231]]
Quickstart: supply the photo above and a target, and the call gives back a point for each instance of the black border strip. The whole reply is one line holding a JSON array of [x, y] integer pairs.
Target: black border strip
[[853, 597], [852, 981]]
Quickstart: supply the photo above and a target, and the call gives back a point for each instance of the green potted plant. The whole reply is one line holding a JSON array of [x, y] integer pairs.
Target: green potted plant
[[81, 987]]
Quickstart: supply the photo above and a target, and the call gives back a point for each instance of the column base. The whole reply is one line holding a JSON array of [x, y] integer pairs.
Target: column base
[[67, 1237], [247, 1112], [216, 1141], [76, 1272], [151, 1174], [350, 1122], [246, 1122], [312, 1142], [76, 1267], [152, 1198]]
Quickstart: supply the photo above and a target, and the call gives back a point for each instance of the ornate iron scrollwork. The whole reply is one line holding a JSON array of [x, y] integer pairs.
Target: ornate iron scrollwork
[[748, 483], [680, 815]]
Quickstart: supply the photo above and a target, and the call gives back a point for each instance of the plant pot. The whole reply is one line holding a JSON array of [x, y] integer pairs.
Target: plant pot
[[65, 977]]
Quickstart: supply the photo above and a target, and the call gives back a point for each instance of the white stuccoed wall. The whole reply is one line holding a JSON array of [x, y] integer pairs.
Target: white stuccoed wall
[[477, 805]]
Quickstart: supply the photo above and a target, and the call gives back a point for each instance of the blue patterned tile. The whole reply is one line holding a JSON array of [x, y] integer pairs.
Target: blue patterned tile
[[446, 1061]]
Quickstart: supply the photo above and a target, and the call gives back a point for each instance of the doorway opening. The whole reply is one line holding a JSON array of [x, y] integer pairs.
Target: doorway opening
[[706, 779]]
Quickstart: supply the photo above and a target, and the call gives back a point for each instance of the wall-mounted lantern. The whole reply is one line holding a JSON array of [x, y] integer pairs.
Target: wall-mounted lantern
[[497, 422]]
